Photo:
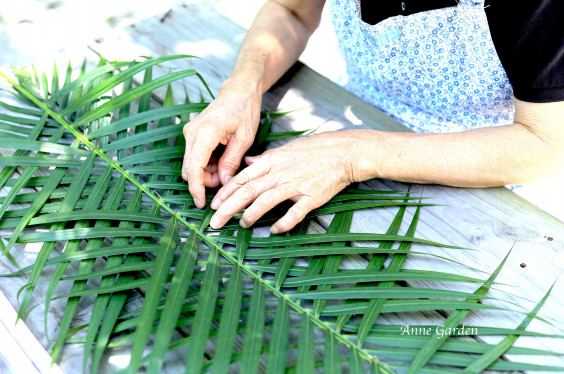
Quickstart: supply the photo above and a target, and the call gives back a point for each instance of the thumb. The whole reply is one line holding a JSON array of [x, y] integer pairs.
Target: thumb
[[231, 160], [249, 160]]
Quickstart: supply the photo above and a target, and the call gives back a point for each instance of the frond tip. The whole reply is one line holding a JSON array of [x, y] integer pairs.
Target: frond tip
[[91, 171]]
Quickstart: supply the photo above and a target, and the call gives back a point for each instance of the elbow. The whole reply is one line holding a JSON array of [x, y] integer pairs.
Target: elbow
[[308, 14], [544, 126], [551, 150], [543, 160], [556, 158]]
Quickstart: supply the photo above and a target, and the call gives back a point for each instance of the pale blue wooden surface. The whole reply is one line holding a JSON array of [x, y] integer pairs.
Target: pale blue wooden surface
[[492, 220]]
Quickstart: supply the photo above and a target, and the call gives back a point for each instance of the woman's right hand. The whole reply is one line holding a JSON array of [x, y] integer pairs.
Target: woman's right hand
[[232, 120]]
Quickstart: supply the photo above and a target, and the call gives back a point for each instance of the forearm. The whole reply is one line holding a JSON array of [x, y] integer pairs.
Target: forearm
[[485, 157], [274, 42], [311, 170]]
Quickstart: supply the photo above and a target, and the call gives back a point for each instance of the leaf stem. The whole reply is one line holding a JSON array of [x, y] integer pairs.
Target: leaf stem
[[317, 321]]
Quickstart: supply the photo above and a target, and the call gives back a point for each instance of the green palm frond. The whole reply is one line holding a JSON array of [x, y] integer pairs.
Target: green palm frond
[[92, 173]]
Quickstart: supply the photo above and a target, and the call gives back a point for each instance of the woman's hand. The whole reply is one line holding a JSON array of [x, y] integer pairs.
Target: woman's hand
[[309, 171], [276, 38], [232, 120]]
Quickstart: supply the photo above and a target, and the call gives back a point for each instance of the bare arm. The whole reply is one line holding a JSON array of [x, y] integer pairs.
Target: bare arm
[[528, 150], [275, 40]]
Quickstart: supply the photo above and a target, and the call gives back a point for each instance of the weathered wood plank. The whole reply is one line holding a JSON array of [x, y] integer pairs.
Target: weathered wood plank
[[71, 357], [493, 220], [20, 352]]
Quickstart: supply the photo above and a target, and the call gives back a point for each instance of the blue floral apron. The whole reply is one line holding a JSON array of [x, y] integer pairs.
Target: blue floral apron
[[434, 71]]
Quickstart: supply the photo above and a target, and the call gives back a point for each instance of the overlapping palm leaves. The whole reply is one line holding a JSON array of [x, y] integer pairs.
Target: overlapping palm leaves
[[103, 169]]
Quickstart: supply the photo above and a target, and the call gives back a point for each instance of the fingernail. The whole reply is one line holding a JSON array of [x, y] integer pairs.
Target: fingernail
[[214, 222], [243, 224], [215, 203], [227, 179], [196, 201], [274, 230]]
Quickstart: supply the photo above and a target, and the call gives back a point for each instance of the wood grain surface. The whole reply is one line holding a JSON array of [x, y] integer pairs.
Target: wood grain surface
[[492, 221]]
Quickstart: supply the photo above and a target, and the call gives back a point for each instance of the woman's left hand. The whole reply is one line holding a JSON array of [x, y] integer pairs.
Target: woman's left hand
[[309, 171]]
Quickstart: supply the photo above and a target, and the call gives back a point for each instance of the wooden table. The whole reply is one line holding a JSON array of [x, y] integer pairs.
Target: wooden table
[[491, 220]]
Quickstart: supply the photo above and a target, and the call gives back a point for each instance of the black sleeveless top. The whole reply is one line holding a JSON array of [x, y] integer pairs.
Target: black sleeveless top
[[528, 36]]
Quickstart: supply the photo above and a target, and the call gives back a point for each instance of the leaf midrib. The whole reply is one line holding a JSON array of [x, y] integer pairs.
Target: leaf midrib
[[344, 340]]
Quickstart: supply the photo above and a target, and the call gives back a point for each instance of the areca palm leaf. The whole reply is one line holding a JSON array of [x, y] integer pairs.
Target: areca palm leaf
[[92, 172]]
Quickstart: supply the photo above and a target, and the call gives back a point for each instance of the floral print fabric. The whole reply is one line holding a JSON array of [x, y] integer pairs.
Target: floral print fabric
[[434, 71]]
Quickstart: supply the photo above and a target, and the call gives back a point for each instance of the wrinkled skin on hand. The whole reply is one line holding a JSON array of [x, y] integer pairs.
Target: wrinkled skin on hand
[[232, 120], [308, 171]]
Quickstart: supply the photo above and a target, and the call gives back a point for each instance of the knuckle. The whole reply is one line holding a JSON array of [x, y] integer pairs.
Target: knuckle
[[284, 226], [232, 162], [193, 189], [191, 128], [204, 131], [297, 213], [267, 156], [222, 195], [248, 191], [246, 141], [266, 200], [242, 178], [198, 125], [188, 167]]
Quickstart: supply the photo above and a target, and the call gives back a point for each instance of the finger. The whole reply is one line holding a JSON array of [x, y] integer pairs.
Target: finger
[[240, 199], [231, 159], [249, 160], [246, 175], [211, 176], [265, 202], [196, 161], [294, 215], [187, 150], [211, 179]]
